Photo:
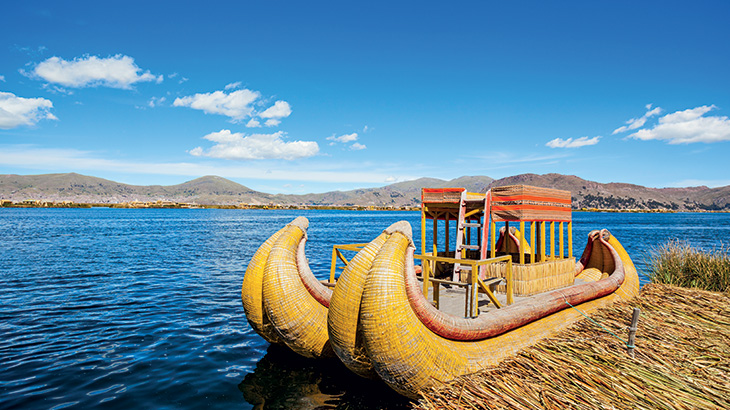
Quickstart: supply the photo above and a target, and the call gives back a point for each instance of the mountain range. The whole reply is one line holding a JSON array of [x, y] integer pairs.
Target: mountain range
[[215, 190]]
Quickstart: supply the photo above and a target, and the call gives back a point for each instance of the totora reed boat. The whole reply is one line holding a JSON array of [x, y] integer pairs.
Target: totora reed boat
[[383, 320]]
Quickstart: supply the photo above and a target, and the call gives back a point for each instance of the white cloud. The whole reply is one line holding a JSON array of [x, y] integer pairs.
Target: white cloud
[[91, 71], [70, 160], [272, 122], [16, 111], [280, 109], [2, 78], [357, 146], [156, 101], [253, 123], [572, 143], [390, 179], [237, 105], [233, 85], [687, 127], [255, 146], [182, 80], [635, 123], [343, 138], [366, 129]]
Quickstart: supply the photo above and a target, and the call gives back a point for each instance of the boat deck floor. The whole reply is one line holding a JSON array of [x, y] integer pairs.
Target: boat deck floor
[[451, 300]]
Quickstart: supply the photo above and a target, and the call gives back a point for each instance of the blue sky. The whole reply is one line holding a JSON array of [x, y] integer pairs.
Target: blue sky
[[298, 97]]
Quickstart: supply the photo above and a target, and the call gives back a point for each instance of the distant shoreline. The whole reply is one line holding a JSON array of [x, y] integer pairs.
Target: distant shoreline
[[168, 205]]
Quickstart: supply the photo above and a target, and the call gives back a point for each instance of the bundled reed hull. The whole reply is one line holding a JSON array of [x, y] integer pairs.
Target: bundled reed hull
[[411, 344], [283, 301], [344, 311]]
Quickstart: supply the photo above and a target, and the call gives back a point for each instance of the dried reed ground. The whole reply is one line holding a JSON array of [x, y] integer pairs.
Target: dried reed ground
[[682, 361]]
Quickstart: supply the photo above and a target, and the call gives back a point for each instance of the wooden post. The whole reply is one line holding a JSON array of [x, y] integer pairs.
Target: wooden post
[[510, 298], [552, 239], [532, 242], [562, 244], [632, 331], [436, 293], [570, 239], [474, 291], [522, 242], [426, 272], [435, 234], [423, 231], [493, 252], [334, 265], [542, 241], [425, 265]]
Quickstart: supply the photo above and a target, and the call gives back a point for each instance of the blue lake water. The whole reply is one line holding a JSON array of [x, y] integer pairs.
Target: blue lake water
[[126, 308]]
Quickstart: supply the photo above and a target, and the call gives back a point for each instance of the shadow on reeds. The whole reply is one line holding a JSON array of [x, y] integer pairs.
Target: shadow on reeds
[[677, 263], [284, 380]]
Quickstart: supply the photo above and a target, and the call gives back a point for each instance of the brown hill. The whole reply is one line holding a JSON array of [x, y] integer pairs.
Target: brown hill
[[590, 194], [217, 190]]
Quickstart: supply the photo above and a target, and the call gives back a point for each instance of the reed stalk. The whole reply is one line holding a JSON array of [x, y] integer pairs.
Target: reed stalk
[[682, 351], [678, 263]]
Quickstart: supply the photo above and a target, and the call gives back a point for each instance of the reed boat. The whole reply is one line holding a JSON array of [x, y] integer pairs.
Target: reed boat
[[282, 299], [384, 321]]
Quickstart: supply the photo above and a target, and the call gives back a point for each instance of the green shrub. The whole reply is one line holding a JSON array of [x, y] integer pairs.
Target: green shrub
[[678, 263]]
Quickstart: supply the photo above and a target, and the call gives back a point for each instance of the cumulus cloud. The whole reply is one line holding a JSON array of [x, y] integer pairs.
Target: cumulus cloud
[[237, 105], [687, 127], [272, 122], [2, 78], [232, 86], [572, 143], [240, 146], [253, 123], [280, 109], [16, 111], [343, 138], [357, 146], [118, 71], [635, 123]]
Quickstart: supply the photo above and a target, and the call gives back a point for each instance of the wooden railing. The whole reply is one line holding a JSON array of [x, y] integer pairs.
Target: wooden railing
[[474, 284], [337, 254], [428, 261]]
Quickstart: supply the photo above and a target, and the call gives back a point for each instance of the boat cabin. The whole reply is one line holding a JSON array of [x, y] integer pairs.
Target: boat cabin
[[508, 235], [518, 259]]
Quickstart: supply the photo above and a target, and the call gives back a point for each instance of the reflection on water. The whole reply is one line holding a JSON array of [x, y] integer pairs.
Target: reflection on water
[[284, 380]]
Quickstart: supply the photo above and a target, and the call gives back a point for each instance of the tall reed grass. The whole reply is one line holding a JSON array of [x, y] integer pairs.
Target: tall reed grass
[[678, 263]]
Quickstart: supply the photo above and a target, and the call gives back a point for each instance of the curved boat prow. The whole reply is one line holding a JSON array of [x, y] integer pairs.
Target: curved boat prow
[[284, 302], [344, 312]]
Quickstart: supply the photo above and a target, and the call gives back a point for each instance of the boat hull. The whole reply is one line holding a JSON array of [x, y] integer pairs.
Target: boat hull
[[410, 356]]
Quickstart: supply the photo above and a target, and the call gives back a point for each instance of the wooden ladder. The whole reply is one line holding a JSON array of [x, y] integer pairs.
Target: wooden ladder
[[460, 234]]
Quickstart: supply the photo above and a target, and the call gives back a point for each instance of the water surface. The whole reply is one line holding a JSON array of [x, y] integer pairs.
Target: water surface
[[141, 307]]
